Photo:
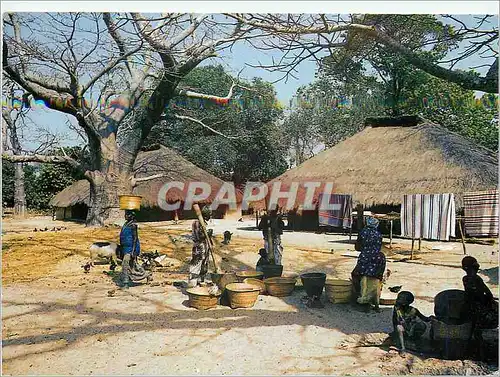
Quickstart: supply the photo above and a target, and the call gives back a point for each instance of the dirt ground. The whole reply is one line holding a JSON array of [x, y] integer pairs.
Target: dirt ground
[[58, 320]]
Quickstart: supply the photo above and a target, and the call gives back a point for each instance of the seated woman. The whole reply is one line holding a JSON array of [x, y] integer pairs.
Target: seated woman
[[369, 271], [479, 301]]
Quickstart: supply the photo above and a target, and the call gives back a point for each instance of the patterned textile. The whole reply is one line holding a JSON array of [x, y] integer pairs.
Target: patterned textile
[[430, 216], [340, 217], [200, 253], [370, 291], [481, 213], [371, 262], [127, 235], [277, 248]]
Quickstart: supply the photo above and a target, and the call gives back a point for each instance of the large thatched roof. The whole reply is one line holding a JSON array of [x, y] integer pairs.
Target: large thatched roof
[[383, 162], [164, 161]]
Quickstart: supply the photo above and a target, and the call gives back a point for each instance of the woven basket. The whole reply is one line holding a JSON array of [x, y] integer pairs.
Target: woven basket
[[258, 283], [338, 291], [242, 275], [242, 295], [130, 202], [289, 274], [279, 286], [444, 331], [200, 299]]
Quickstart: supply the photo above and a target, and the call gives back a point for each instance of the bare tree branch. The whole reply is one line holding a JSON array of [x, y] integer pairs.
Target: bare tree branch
[[197, 121], [136, 181]]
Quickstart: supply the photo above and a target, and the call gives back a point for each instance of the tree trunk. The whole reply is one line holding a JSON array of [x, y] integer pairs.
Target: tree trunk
[[19, 194], [109, 180], [105, 189]]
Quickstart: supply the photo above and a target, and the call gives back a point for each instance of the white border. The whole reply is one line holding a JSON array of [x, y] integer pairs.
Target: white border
[[401, 7]]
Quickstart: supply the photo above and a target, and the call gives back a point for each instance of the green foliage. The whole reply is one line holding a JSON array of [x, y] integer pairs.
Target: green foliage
[[255, 149], [379, 83], [44, 181], [8, 183], [363, 58]]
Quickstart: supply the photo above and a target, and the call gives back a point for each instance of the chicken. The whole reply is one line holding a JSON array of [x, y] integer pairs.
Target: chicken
[[86, 267], [395, 289]]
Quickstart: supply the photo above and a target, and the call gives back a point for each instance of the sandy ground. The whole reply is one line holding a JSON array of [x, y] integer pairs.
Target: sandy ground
[[57, 320]]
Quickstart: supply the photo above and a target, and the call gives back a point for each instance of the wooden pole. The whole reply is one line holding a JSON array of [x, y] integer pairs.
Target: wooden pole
[[412, 246], [196, 208], [420, 244], [390, 236], [462, 234], [360, 211]]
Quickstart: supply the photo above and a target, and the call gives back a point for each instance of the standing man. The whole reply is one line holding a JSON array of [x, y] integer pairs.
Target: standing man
[[273, 223], [131, 248], [198, 267]]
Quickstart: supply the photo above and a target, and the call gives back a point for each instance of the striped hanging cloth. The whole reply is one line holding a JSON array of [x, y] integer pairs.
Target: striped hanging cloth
[[481, 213], [339, 217], [430, 216]]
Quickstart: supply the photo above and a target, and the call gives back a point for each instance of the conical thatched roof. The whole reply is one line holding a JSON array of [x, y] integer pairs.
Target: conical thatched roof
[[382, 163], [164, 161]]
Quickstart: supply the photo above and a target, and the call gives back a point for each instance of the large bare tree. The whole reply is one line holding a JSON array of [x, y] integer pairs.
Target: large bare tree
[[312, 36], [115, 74]]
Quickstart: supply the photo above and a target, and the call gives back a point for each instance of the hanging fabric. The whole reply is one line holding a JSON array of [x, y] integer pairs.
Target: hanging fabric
[[339, 217], [430, 216], [481, 213]]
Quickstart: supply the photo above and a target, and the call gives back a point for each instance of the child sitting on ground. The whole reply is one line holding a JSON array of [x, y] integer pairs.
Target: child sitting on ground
[[408, 321], [262, 260]]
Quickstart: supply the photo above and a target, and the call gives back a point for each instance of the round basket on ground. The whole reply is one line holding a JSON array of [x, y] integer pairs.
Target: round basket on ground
[[279, 286], [338, 291], [130, 202], [387, 300], [242, 275], [258, 283], [223, 279], [272, 270], [289, 274], [201, 299], [242, 295], [313, 283]]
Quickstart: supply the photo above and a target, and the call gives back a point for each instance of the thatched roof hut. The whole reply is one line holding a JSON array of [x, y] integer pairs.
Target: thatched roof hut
[[162, 161], [391, 158]]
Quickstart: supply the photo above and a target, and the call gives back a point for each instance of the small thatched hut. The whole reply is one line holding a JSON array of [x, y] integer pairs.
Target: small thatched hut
[[72, 202], [393, 157]]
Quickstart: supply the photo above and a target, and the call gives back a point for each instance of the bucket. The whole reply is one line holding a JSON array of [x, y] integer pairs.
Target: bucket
[[338, 291], [242, 295], [272, 270], [313, 283], [201, 299], [130, 202]]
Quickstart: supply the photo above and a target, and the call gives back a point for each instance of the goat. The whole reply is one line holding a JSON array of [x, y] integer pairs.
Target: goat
[[107, 250]]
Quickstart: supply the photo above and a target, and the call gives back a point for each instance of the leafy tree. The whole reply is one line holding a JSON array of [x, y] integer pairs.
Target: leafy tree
[[46, 180], [248, 144], [8, 183]]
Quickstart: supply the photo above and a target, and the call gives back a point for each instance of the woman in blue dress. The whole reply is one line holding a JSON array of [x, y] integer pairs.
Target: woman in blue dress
[[368, 274], [131, 248]]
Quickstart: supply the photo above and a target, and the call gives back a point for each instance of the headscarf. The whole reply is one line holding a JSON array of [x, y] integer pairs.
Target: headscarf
[[371, 222], [206, 213], [405, 298], [130, 213], [470, 263]]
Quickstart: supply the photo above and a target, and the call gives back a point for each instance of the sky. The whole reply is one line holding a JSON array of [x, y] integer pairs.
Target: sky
[[240, 56]]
